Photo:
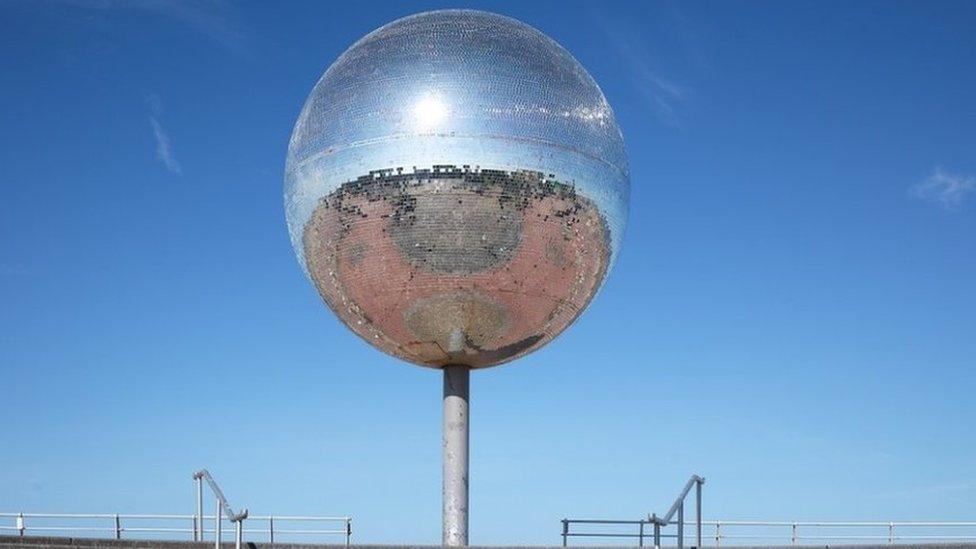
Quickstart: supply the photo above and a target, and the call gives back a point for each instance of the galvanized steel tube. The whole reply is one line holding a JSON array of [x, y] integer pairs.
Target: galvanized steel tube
[[455, 449]]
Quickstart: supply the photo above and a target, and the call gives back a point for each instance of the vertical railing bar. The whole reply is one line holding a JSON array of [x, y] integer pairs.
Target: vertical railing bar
[[217, 525], [271, 527], [657, 531], [118, 527], [793, 535], [891, 533], [698, 515], [640, 534], [718, 534], [681, 525], [198, 534], [565, 531], [348, 530]]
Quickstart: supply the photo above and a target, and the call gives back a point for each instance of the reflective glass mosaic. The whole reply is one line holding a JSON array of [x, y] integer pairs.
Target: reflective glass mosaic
[[456, 188]]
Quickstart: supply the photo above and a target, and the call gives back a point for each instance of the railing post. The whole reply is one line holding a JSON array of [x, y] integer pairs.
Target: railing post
[[681, 525], [239, 533], [793, 534], [891, 533], [348, 530], [698, 517], [20, 524], [271, 528], [565, 531], [217, 526], [198, 530], [657, 532], [118, 527], [640, 534], [718, 534]]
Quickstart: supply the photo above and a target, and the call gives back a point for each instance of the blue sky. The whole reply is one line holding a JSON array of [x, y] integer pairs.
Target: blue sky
[[792, 314]]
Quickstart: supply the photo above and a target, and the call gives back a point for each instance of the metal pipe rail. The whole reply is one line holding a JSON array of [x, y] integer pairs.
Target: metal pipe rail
[[222, 507], [889, 532], [116, 524], [678, 507]]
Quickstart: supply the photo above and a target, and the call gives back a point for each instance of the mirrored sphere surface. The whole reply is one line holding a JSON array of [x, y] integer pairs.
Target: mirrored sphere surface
[[456, 188]]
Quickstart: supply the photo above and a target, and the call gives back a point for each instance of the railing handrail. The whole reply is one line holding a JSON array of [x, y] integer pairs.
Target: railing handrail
[[657, 522], [680, 500], [215, 488], [168, 516], [793, 532], [819, 523], [222, 511], [169, 523], [223, 507]]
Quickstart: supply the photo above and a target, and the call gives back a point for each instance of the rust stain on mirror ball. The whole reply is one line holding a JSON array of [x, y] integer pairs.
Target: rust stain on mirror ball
[[452, 266]]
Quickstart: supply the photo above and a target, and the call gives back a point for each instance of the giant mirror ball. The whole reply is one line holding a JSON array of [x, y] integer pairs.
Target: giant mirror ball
[[456, 188]]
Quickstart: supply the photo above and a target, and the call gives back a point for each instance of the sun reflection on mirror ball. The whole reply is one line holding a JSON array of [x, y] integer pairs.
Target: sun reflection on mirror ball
[[456, 188]]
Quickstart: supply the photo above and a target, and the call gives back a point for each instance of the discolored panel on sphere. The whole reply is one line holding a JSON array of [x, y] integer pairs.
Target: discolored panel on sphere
[[542, 253], [454, 233], [456, 188]]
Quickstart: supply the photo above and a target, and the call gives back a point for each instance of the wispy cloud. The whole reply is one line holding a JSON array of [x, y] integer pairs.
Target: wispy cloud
[[946, 189], [214, 18], [663, 96], [164, 151]]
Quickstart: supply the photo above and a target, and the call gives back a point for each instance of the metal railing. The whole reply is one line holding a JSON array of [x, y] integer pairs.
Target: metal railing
[[92, 524], [270, 527], [222, 508], [792, 532], [798, 532], [678, 507]]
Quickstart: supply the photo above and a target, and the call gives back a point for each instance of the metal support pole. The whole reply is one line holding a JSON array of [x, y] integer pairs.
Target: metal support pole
[[271, 528], [891, 533], [239, 534], [793, 535], [217, 514], [118, 528], [455, 449], [348, 530], [198, 534], [565, 531], [718, 535], [657, 532], [698, 516], [681, 525], [640, 535]]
